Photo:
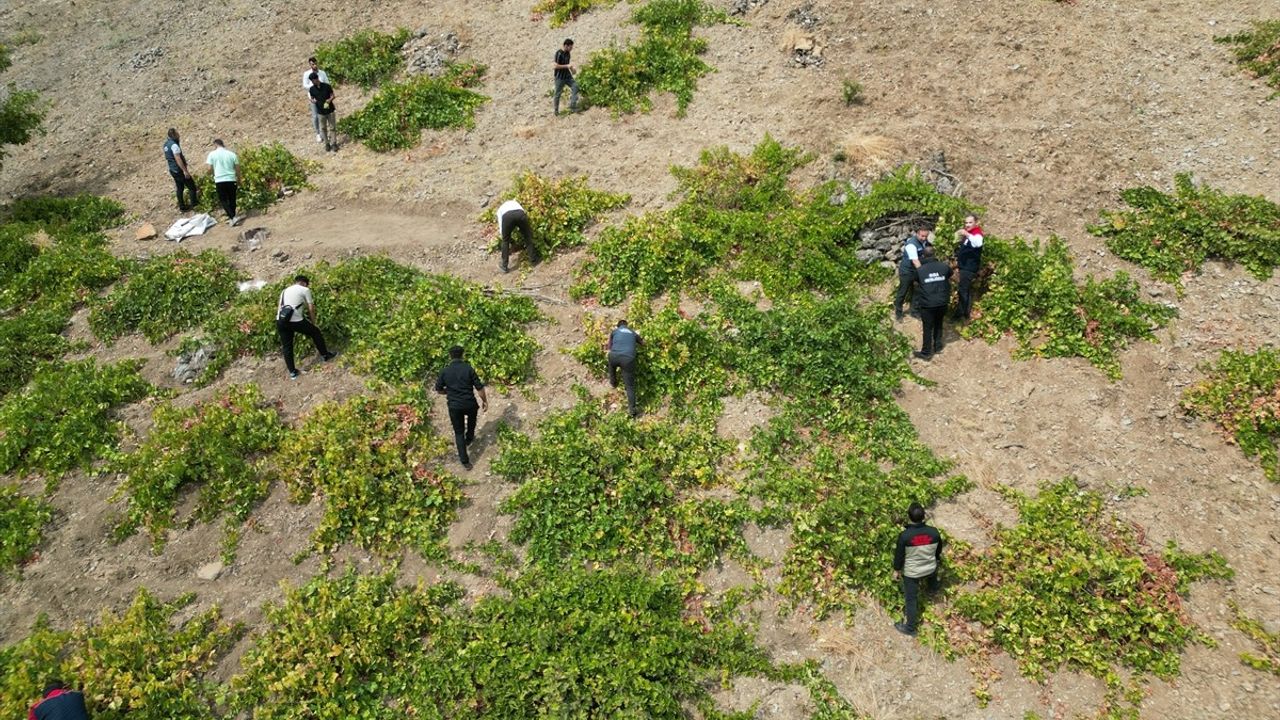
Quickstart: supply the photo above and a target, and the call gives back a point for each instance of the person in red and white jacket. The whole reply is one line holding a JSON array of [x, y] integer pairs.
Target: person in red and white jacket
[[916, 558], [969, 263], [59, 703]]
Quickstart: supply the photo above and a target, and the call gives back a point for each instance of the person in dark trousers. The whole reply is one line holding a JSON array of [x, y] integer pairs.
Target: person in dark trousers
[[969, 262], [226, 178], [916, 558], [59, 703], [460, 385], [296, 313], [564, 76], [622, 346], [322, 97], [180, 172], [511, 216], [912, 247], [931, 300]]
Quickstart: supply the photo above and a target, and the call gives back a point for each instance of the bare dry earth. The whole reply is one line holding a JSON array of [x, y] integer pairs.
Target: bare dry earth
[[1045, 110]]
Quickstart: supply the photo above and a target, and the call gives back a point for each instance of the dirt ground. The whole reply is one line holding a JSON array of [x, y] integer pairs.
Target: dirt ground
[[1045, 110]]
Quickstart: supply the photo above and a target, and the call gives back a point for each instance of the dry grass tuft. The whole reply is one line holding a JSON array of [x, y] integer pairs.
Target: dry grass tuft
[[870, 151]]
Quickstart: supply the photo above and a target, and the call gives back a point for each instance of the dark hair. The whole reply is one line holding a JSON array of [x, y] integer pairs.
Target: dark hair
[[925, 228], [53, 685], [312, 60], [915, 512], [314, 77], [622, 323], [218, 142], [173, 134], [568, 41], [301, 279], [455, 352], [927, 251]]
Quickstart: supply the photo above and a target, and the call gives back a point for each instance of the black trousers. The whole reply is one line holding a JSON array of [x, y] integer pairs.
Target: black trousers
[[906, 280], [227, 197], [286, 329], [931, 319], [911, 596], [517, 220], [964, 298], [626, 363], [182, 182], [464, 429]]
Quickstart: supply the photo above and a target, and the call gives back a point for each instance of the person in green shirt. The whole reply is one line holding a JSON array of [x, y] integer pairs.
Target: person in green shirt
[[226, 178]]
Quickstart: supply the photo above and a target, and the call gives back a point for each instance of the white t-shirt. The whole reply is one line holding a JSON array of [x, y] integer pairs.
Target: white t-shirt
[[975, 239], [299, 296], [177, 150], [909, 249], [306, 77], [507, 207]]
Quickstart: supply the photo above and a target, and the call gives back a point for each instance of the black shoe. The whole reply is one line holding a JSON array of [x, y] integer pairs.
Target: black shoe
[[897, 315], [504, 268], [902, 628], [922, 355], [330, 356], [293, 374], [466, 466], [470, 440], [328, 147], [937, 350]]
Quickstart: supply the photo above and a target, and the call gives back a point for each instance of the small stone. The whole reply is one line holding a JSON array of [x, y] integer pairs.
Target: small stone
[[210, 571], [146, 232]]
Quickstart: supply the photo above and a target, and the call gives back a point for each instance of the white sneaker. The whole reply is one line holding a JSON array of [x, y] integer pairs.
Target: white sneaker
[[236, 220], [319, 138]]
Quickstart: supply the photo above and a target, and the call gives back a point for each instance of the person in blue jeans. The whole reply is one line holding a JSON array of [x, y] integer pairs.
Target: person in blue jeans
[[622, 346], [460, 385], [564, 77]]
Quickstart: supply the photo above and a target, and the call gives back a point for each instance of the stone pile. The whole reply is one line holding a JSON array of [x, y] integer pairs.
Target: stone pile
[[192, 363], [742, 7], [430, 53], [880, 241]]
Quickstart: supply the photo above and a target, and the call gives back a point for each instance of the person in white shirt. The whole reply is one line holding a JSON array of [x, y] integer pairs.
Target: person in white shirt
[[296, 313], [313, 67], [511, 216]]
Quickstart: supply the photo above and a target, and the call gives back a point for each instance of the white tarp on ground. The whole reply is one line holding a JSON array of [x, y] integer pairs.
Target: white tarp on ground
[[189, 227]]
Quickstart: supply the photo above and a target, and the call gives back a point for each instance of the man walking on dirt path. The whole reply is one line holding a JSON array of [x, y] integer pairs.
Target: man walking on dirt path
[[313, 68], [511, 216], [916, 558], [59, 703], [460, 385], [931, 301], [564, 76], [296, 313], [180, 172], [969, 261], [622, 346], [226, 178], [911, 249], [322, 104]]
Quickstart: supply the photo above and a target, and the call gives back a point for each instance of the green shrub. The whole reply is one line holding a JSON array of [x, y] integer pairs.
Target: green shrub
[[562, 11], [559, 210], [141, 665], [395, 321], [214, 445], [29, 338], [1172, 234], [74, 214], [374, 461], [1071, 585], [21, 521], [65, 273], [851, 91], [165, 295], [1034, 297], [598, 487], [265, 171], [16, 249], [62, 420], [1258, 51], [665, 59], [1268, 643], [347, 647], [21, 112], [1242, 395], [395, 118], [367, 58]]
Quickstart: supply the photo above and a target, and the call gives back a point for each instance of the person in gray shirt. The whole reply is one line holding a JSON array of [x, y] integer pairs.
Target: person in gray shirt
[[622, 346]]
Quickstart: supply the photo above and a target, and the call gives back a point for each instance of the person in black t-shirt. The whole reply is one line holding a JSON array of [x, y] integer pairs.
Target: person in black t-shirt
[[322, 95], [564, 76], [459, 383]]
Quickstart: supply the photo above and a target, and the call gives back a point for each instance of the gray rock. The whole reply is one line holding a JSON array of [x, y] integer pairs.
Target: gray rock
[[741, 7], [430, 54], [210, 571], [144, 58], [868, 256]]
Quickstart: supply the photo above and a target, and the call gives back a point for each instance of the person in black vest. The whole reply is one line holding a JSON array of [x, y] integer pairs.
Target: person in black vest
[[916, 558], [459, 383], [622, 347], [912, 247], [931, 300], [969, 262], [564, 70], [180, 171], [59, 703]]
